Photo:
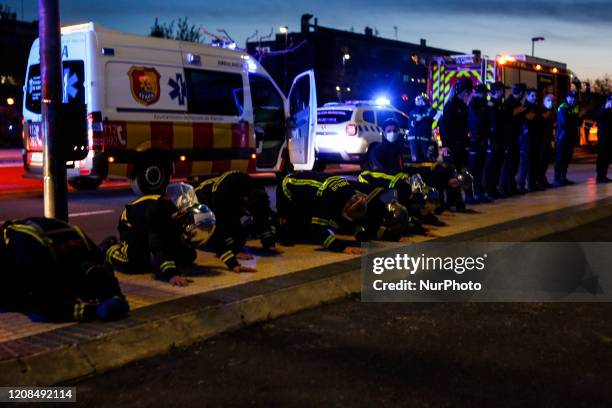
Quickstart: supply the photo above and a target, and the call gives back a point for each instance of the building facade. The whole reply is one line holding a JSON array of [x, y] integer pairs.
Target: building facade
[[16, 38], [349, 65]]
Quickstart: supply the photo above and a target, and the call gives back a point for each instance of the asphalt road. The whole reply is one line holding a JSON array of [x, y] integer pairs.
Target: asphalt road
[[96, 212], [403, 354]]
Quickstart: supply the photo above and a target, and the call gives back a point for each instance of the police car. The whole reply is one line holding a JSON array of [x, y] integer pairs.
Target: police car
[[159, 108], [347, 131]]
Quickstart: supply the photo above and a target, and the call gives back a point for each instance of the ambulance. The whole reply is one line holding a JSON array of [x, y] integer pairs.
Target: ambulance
[[159, 108]]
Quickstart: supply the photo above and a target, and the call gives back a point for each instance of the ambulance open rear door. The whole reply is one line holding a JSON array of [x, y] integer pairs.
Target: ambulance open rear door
[[303, 117]]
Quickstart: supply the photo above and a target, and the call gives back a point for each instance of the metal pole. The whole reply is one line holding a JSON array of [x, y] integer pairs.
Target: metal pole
[[532, 48], [55, 196]]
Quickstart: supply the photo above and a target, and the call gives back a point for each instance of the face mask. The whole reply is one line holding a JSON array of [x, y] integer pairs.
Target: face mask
[[391, 136], [548, 104]]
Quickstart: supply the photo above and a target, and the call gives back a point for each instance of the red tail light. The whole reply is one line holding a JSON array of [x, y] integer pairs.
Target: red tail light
[[95, 131], [351, 129]]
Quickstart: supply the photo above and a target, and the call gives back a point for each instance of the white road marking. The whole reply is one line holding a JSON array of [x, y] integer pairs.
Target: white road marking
[[81, 214], [88, 213]]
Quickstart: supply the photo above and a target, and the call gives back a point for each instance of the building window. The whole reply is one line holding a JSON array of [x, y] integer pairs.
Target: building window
[[214, 92]]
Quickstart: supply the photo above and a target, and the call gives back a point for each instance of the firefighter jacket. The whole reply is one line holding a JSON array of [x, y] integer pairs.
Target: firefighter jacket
[[147, 223], [322, 198], [567, 123], [45, 264], [227, 196], [454, 123]]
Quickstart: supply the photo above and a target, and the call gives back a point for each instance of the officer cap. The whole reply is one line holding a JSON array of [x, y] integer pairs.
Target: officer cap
[[481, 89], [499, 86], [519, 88], [464, 84], [391, 122]]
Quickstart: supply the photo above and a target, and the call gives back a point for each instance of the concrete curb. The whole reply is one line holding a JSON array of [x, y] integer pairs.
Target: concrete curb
[[158, 328]]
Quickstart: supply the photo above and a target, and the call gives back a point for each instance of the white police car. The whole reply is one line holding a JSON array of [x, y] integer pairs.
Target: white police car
[[347, 131]]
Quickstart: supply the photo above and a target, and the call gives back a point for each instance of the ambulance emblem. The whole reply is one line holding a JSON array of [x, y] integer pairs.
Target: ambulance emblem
[[144, 83]]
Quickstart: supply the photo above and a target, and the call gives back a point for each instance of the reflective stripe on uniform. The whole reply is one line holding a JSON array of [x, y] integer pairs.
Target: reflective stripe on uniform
[[320, 221], [219, 180], [329, 183], [328, 241], [381, 232], [167, 265], [298, 182], [79, 309], [117, 252], [145, 198], [227, 255], [25, 229]]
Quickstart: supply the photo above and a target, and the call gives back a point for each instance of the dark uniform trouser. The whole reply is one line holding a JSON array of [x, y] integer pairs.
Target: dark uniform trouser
[[133, 255], [544, 152], [528, 162], [604, 157], [507, 183], [418, 147], [492, 169], [457, 155], [476, 163], [563, 157]]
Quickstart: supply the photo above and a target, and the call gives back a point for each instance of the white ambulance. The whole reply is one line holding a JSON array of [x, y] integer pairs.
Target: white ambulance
[[160, 108]]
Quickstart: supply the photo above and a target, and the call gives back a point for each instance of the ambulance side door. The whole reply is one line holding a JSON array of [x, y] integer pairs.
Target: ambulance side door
[[302, 121]]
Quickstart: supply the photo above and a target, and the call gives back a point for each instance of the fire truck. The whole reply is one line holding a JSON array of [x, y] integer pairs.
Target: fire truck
[[544, 75]]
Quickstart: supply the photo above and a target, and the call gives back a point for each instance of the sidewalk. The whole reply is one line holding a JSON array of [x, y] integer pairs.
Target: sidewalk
[[163, 317]]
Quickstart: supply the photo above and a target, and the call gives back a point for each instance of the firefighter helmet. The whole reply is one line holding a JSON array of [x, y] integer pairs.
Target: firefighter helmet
[[198, 223], [396, 217]]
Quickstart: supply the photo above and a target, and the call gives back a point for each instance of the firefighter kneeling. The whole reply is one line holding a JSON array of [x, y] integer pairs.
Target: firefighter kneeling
[[161, 232], [242, 208], [314, 207], [54, 268]]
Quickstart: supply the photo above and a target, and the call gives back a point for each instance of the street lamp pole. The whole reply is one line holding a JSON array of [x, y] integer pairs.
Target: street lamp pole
[[55, 195], [533, 41]]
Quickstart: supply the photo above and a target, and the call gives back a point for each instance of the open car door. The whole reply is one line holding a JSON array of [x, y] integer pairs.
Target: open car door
[[302, 121]]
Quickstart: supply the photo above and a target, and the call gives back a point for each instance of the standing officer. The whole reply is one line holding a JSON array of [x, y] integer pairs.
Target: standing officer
[[604, 140], [495, 152], [419, 137], [387, 155], [545, 140], [479, 139], [530, 132], [161, 232], [513, 107], [567, 137], [241, 208], [454, 124], [53, 267]]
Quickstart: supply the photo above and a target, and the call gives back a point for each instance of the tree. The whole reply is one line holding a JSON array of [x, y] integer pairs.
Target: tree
[[162, 30], [602, 85], [183, 32]]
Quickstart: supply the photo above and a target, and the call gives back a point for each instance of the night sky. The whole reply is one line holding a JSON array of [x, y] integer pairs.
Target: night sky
[[577, 32]]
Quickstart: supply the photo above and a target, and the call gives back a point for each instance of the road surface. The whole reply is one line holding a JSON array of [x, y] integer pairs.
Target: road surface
[[402, 354]]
